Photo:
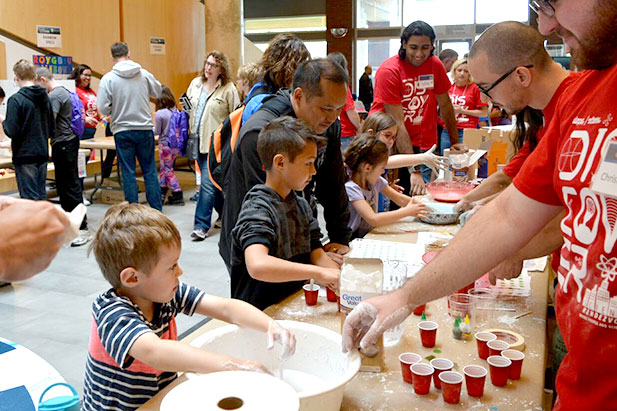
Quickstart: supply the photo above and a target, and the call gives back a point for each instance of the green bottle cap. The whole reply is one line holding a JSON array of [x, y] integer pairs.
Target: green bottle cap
[[423, 316]]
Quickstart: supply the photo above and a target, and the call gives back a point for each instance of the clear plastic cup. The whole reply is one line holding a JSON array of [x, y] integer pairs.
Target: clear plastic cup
[[483, 304], [459, 305]]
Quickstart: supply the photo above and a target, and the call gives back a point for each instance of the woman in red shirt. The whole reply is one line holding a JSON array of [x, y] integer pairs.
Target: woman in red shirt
[[82, 75], [467, 102]]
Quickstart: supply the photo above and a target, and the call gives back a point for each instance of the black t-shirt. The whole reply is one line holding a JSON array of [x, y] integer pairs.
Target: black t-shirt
[[62, 107]]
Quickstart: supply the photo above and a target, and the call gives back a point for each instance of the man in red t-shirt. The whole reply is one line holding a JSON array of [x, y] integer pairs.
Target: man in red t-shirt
[[571, 168], [409, 86]]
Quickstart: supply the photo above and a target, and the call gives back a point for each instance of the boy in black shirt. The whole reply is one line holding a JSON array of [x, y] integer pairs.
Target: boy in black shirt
[[276, 241], [29, 123]]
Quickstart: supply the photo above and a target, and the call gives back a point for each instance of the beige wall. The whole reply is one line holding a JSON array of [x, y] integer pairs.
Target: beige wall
[[89, 27]]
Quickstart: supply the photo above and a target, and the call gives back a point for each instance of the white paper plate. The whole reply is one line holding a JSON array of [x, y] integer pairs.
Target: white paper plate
[[232, 390]]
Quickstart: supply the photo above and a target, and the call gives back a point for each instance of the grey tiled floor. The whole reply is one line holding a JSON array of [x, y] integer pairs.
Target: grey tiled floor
[[51, 313]]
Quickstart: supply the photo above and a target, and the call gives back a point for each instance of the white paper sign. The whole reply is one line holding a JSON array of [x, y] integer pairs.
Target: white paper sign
[[81, 165], [48, 37], [157, 45], [605, 178]]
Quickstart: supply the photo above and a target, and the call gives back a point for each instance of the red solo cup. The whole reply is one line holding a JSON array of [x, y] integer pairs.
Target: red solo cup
[[482, 339], [422, 374], [407, 359], [517, 358], [500, 368], [428, 333], [495, 347], [440, 365], [310, 295], [419, 309], [331, 295], [451, 381], [475, 376]]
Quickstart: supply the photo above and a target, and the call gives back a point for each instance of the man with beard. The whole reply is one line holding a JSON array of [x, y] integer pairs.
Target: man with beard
[[567, 170]]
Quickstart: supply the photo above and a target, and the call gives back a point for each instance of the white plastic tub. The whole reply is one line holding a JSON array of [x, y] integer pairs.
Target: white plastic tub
[[318, 353]]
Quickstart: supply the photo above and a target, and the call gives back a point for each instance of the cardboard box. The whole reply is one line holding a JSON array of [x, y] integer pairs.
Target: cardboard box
[[498, 138]]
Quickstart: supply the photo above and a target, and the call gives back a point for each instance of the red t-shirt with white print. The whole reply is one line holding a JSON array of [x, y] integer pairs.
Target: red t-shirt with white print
[[413, 88], [559, 172], [88, 99], [468, 97]]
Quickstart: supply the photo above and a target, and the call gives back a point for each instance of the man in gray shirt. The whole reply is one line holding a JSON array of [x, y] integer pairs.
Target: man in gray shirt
[[124, 93], [64, 149]]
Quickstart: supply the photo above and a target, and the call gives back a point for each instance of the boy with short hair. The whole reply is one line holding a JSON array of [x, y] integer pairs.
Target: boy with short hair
[[29, 123], [133, 352], [276, 240]]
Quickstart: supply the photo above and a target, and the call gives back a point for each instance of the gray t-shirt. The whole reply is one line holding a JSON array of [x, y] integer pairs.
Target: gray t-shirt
[[62, 107], [358, 226]]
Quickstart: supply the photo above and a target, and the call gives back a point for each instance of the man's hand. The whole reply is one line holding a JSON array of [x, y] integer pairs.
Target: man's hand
[[336, 252], [459, 147], [371, 318], [32, 234], [416, 183], [508, 269]]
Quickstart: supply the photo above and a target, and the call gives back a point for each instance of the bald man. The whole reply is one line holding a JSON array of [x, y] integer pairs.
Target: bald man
[[559, 174]]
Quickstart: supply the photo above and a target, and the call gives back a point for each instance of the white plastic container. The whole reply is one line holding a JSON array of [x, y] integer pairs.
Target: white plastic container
[[318, 353]]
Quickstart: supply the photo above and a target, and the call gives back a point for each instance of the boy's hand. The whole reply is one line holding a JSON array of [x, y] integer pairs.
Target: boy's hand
[[280, 334], [329, 277], [245, 365]]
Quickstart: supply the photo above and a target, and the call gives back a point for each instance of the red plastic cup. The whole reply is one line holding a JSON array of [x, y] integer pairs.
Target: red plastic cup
[[451, 381], [482, 339], [440, 365], [517, 358], [419, 310], [422, 374], [407, 359], [428, 333], [310, 295], [500, 368], [331, 295], [475, 376], [495, 347]]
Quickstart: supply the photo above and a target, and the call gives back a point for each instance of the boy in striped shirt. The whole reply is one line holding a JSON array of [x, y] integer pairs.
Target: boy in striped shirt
[[133, 351]]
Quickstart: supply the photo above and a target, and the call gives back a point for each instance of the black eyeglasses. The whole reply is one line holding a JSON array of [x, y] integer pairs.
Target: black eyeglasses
[[499, 80], [542, 6]]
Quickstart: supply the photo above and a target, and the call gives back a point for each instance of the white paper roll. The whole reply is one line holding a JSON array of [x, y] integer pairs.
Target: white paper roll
[[232, 390]]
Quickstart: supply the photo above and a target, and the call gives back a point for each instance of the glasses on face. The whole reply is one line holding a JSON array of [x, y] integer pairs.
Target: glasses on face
[[542, 6], [485, 91], [212, 65]]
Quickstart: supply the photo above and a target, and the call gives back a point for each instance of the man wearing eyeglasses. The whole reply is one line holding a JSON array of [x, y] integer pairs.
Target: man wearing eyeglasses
[[409, 86], [568, 170]]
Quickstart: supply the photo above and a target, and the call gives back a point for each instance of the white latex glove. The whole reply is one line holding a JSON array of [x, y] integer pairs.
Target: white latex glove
[[370, 319], [467, 215], [278, 333], [416, 182], [434, 161], [463, 205]]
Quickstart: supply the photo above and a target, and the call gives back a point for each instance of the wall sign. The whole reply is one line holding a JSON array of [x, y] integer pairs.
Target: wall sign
[[48, 37], [157, 45], [55, 64]]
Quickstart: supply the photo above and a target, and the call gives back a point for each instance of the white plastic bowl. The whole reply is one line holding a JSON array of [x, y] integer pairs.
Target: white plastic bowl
[[318, 352]]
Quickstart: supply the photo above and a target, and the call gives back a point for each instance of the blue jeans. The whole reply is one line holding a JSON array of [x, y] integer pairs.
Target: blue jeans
[[209, 197], [31, 180], [140, 144], [445, 139]]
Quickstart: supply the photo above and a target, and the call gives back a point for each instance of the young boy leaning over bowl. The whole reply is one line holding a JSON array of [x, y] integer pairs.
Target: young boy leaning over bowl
[[133, 351]]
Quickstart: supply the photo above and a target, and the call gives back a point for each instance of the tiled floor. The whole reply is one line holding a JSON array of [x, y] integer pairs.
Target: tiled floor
[[51, 313]]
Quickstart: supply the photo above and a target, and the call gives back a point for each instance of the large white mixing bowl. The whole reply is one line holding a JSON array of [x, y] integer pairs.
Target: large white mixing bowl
[[318, 352]]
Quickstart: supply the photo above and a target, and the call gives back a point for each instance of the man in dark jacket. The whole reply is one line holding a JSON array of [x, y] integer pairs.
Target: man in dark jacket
[[318, 96], [29, 123], [366, 88]]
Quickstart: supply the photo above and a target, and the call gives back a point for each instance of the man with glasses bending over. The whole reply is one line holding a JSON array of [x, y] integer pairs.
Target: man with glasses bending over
[[409, 86], [573, 169]]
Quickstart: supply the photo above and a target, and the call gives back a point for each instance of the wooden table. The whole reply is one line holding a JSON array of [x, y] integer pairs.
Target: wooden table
[[386, 390]]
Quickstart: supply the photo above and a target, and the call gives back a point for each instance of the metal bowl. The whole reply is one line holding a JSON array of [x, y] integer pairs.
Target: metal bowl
[[440, 214]]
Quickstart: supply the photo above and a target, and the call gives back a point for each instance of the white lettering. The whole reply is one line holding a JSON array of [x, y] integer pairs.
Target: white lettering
[[575, 149], [589, 214]]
